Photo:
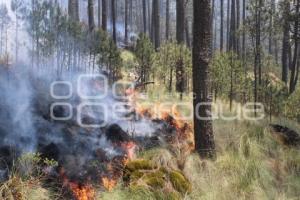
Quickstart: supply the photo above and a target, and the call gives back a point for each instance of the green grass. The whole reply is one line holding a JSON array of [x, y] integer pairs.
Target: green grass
[[250, 165]]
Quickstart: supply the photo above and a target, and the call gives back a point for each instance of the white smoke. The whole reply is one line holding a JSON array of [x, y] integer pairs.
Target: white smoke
[[27, 126]]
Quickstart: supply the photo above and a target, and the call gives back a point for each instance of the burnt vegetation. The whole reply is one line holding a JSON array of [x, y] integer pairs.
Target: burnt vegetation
[[182, 84]]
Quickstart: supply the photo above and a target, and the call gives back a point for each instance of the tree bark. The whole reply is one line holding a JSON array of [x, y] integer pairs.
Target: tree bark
[[294, 67], [285, 42], [202, 34], [228, 26], [180, 40], [152, 30], [270, 45], [73, 9], [91, 19], [222, 26], [187, 33], [99, 13], [126, 21], [113, 17], [149, 17], [232, 37], [257, 56], [144, 16], [156, 24], [244, 33], [167, 20], [237, 27], [77, 18], [104, 15], [258, 42]]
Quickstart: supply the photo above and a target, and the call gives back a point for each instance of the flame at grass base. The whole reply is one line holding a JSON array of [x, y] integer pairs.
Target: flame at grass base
[[109, 184], [82, 192], [79, 191]]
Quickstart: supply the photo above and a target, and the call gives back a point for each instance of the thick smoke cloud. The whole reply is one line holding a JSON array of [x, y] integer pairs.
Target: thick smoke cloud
[[26, 124], [16, 124]]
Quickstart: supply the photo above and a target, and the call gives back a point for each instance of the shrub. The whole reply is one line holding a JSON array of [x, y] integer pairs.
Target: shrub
[[180, 183]]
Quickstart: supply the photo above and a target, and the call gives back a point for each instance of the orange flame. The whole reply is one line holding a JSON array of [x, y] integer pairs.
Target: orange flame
[[173, 117], [144, 112], [85, 192], [108, 183], [80, 192], [130, 149]]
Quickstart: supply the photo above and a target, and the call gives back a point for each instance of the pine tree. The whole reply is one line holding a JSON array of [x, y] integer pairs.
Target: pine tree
[[203, 130]]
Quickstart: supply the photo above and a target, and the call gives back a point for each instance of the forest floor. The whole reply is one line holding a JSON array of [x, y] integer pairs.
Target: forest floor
[[250, 164]]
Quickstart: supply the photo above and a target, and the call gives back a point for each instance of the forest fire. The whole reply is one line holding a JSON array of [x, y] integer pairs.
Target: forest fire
[[82, 192], [108, 183], [130, 148], [108, 178], [79, 191], [172, 117], [157, 99], [89, 157]]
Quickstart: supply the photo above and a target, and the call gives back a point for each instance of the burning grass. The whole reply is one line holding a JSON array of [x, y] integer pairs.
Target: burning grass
[[119, 165], [250, 165], [82, 192]]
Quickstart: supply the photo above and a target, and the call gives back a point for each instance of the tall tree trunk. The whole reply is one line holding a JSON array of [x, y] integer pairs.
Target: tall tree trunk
[[167, 20], [73, 9], [213, 25], [104, 15], [215, 35], [113, 17], [203, 129], [130, 13], [238, 10], [232, 38], [99, 14], [232, 48], [294, 67], [222, 26], [258, 42], [126, 21], [152, 30], [145, 16], [187, 33], [270, 45], [244, 33], [171, 79], [285, 42], [91, 15], [257, 59], [228, 26], [180, 40], [149, 17], [77, 18], [244, 51], [156, 24], [180, 17]]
